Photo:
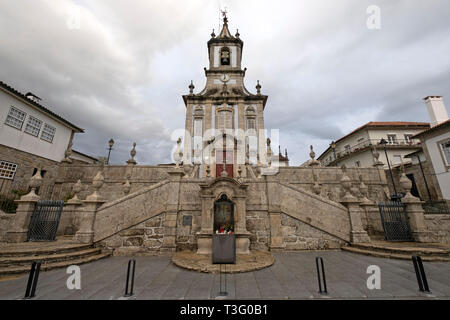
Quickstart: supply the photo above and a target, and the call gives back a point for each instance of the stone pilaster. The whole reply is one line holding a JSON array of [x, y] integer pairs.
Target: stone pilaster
[[21, 222], [87, 213], [276, 236], [170, 221], [415, 213], [357, 233], [67, 221]]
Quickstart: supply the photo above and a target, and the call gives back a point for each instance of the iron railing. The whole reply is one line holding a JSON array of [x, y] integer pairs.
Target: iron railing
[[436, 207], [343, 152], [395, 221], [45, 220]]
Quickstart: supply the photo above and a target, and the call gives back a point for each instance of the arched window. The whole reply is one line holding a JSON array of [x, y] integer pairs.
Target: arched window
[[225, 56]]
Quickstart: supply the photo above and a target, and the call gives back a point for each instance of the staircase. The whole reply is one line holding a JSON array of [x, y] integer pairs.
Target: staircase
[[402, 250], [17, 258]]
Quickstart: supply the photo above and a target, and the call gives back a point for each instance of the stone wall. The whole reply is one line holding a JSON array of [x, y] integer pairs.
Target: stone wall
[[142, 239], [258, 225], [26, 163], [438, 226], [5, 222], [301, 236]]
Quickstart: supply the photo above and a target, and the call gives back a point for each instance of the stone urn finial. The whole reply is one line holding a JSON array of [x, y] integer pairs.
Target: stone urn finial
[[312, 154], [269, 152], [35, 182], [313, 162], [364, 190], [376, 156], [68, 153], [346, 184], [97, 183], [77, 187], [131, 161], [178, 155], [258, 88], [406, 185], [191, 88]]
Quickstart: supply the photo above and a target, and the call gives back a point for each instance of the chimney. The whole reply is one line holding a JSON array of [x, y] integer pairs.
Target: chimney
[[436, 110], [33, 97]]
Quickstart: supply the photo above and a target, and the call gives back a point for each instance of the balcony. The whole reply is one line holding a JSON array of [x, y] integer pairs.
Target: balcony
[[396, 143]]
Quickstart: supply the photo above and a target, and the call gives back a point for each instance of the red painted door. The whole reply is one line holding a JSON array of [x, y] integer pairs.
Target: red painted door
[[228, 154]]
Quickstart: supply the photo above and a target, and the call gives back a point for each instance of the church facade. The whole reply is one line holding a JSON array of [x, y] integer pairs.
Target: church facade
[[225, 179]]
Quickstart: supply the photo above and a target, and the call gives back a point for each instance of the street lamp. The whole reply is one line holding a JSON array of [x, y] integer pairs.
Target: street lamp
[[111, 143], [384, 143]]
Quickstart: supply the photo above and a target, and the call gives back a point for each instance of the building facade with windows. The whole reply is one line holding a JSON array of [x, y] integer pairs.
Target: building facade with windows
[[31, 136], [357, 148], [436, 143]]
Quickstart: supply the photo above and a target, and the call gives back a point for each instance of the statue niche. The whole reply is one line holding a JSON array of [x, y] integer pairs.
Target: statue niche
[[223, 205], [223, 215]]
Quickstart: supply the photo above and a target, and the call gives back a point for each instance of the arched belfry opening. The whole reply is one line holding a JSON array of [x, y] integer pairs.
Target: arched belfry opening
[[225, 56], [223, 215]]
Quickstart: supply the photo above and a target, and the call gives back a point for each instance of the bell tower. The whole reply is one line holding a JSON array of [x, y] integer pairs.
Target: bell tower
[[224, 128]]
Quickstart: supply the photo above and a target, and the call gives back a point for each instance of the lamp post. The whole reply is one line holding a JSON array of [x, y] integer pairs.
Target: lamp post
[[384, 142], [111, 144], [424, 178], [333, 147]]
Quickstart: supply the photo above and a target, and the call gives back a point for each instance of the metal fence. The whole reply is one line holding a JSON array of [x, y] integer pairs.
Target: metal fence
[[436, 207], [45, 220], [395, 221]]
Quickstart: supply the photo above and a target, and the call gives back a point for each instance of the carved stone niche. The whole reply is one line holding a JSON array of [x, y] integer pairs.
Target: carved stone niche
[[217, 190]]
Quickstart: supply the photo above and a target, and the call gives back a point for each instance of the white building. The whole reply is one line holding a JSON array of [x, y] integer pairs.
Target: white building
[[356, 149], [436, 143], [31, 137]]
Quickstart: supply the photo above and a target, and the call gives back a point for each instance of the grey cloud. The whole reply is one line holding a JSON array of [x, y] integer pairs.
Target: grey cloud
[[123, 72]]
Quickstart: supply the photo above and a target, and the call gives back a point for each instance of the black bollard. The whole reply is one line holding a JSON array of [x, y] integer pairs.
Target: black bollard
[[130, 293], [420, 274], [324, 291], [33, 280]]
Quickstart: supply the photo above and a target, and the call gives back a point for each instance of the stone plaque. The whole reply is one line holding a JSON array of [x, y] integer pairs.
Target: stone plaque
[[187, 220], [224, 249]]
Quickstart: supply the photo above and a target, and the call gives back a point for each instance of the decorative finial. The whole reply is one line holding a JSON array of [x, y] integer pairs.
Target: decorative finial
[[279, 150], [191, 88], [237, 33], [285, 153], [213, 35], [312, 154], [258, 88], [178, 155], [132, 154], [313, 162], [224, 15]]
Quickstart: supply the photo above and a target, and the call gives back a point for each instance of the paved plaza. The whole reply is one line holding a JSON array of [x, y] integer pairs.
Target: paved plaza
[[292, 276]]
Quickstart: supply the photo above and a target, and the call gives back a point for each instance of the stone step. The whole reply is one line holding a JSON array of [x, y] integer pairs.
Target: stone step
[[25, 251], [411, 249], [48, 258], [51, 265], [390, 255]]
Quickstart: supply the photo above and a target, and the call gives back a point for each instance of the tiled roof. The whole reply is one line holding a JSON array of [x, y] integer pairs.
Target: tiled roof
[[381, 124], [39, 106], [432, 129]]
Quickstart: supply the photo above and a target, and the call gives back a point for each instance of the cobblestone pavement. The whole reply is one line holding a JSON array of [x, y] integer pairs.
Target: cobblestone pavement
[[293, 276]]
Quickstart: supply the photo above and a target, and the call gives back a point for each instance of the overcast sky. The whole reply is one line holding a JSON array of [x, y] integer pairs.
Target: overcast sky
[[118, 68]]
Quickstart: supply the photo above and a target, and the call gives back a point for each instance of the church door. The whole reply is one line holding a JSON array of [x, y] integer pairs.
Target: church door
[[228, 155]]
